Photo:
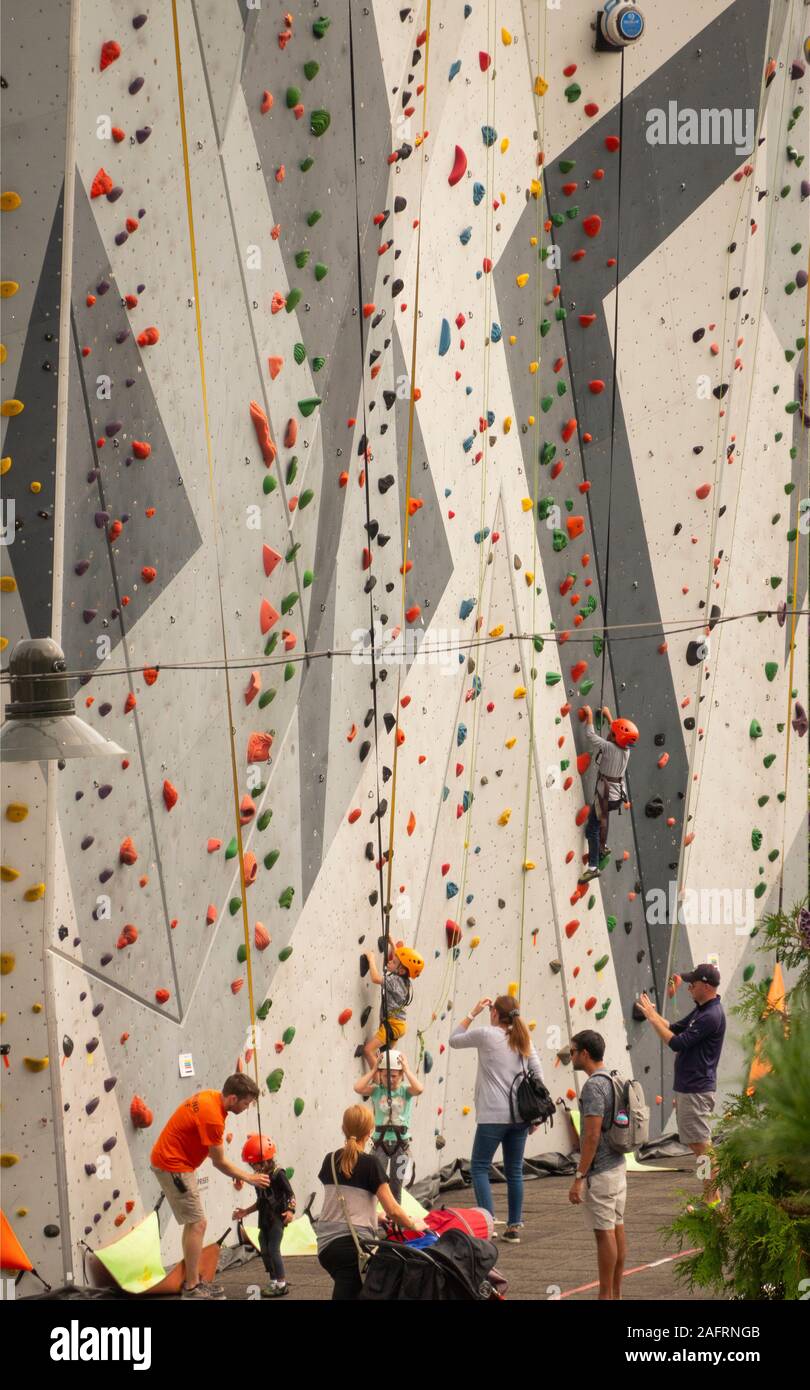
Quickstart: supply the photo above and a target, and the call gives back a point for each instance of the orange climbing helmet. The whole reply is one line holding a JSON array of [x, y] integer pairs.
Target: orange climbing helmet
[[257, 1148], [624, 732], [412, 961]]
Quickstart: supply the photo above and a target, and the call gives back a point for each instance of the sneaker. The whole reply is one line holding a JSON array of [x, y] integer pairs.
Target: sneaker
[[202, 1292], [588, 875], [275, 1289], [512, 1234], [217, 1290]]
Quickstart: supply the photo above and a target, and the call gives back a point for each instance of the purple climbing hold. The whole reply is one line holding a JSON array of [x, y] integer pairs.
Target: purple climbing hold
[[122, 335], [105, 960], [113, 428], [98, 1009], [92, 1105], [130, 381], [102, 519], [109, 1144], [102, 286], [82, 567], [79, 796], [140, 288], [89, 614], [805, 189], [106, 1206], [104, 791], [91, 1045], [108, 1086], [104, 709], [88, 841], [114, 194], [143, 134], [94, 475], [121, 237], [105, 875], [135, 85], [781, 614], [797, 69], [801, 278], [799, 723], [139, 21], [90, 1169]]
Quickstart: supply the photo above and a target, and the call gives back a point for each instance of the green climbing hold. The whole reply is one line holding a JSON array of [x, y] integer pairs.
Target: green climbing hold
[[763, 800], [292, 552], [611, 923], [749, 971], [559, 540], [292, 469], [314, 216], [546, 404], [232, 850], [306, 164], [321, 271], [601, 963], [298, 1105], [760, 889], [269, 485], [266, 697], [264, 820], [311, 69], [774, 854], [301, 258], [558, 218], [771, 668], [586, 687], [285, 953], [319, 122], [317, 363], [553, 677], [307, 406], [293, 298], [293, 97], [264, 1009], [566, 165], [547, 453], [275, 1079], [289, 671], [270, 645], [286, 901], [287, 1036], [597, 644], [288, 603], [241, 954], [756, 839], [270, 859], [538, 644], [308, 578], [600, 1014], [320, 27], [299, 353], [755, 729], [304, 500], [234, 906]]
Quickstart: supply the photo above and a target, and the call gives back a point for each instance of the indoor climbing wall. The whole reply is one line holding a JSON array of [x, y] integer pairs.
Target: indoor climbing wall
[[445, 328]]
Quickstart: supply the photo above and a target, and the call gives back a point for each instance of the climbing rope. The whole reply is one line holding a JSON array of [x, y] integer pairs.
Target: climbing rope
[[215, 514]]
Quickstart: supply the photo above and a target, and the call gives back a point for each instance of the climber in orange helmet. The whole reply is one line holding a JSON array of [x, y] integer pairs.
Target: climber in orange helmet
[[611, 756], [402, 966]]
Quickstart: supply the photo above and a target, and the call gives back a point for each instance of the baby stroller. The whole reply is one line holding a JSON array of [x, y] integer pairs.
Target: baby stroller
[[457, 1267]]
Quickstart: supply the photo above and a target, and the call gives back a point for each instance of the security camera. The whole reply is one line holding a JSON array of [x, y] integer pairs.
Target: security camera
[[618, 25]]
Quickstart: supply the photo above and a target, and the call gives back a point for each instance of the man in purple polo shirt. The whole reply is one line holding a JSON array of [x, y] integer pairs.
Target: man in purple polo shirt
[[697, 1042]]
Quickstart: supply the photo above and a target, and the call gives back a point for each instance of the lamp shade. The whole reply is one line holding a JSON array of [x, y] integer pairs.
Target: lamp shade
[[41, 721]]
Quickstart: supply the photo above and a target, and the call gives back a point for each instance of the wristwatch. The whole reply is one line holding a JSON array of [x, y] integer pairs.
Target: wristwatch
[[580, 1177]]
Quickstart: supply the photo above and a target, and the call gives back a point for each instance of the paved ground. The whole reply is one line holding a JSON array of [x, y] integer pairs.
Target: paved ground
[[557, 1252]]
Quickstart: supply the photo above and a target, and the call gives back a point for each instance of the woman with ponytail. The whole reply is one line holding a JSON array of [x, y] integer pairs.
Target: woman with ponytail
[[505, 1052], [353, 1183]]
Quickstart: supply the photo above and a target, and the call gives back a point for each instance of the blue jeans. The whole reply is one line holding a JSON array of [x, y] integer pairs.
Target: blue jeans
[[595, 849], [513, 1140]]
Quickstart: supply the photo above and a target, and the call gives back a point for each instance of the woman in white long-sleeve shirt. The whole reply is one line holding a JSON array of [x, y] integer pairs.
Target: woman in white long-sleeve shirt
[[505, 1051]]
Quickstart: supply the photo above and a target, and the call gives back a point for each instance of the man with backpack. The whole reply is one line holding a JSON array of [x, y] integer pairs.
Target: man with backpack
[[613, 1121]]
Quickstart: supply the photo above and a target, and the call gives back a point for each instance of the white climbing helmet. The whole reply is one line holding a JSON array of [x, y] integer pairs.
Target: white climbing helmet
[[390, 1061]]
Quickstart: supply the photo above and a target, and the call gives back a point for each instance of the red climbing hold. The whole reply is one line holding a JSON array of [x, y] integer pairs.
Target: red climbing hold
[[258, 749], [596, 387], [570, 927], [569, 430], [254, 685], [128, 937], [703, 491], [582, 815], [575, 526], [291, 434], [578, 671], [169, 795], [148, 574], [262, 428], [592, 225], [274, 365], [459, 168], [612, 143], [270, 558], [140, 1115], [453, 931], [591, 108], [149, 337], [141, 449], [484, 60], [129, 703], [344, 1016], [267, 616], [368, 310], [413, 613], [127, 852], [354, 815], [101, 184], [162, 995], [109, 52], [590, 1003], [118, 134], [267, 102], [587, 319], [583, 762]]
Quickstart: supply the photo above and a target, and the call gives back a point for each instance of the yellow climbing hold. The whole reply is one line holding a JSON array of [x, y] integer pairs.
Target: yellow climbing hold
[[512, 989], [11, 407], [7, 874], [535, 188], [21, 1211], [506, 38], [532, 240], [3, 353], [5, 464], [33, 895], [540, 86], [496, 631], [465, 1109], [475, 941], [507, 424], [512, 339], [36, 1063], [521, 280], [3, 643], [520, 692], [526, 504], [16, 811], [36, 1008], [529, 577], [8, 584], [9, 202], [8, 1160], [8, 288], [530, 420], [503, 818], [36, 487], [533, 368], [532, 1024], [504, 146], [528, 865], [510, 742], [8, 960]]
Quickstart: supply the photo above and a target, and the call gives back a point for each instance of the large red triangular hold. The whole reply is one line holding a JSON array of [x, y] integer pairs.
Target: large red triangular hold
[[109, 52], [12, 1255], [101, 184], [270, 558]]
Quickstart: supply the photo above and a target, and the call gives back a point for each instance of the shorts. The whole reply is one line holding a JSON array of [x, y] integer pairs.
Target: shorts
[[693, 1110], [397, 1028], [604, 1198], [186, 1206]]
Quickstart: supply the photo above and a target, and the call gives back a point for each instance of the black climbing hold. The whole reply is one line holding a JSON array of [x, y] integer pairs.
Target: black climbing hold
[[654, 808], [363, 967]]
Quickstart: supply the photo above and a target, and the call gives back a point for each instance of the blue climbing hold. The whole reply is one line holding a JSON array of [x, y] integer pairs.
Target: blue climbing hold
[[481, 535], [455, 69], [467, 606], [461, 734], [467, 11], [490, 135], [468, 443], [444, 338], [478, 193], [464, 236], [490, 420], [496, 333], [452, 889]]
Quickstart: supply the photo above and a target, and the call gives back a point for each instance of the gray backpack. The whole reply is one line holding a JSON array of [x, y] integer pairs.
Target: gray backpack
[[630, 1123]]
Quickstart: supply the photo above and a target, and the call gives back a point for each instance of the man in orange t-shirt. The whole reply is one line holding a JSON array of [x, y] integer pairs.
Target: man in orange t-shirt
[[192, 1134]]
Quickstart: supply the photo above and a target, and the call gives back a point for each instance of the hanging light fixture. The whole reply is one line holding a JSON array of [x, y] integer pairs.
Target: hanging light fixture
[[41, 720]]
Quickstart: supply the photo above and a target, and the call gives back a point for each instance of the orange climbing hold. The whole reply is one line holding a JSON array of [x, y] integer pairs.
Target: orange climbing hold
[[258, 749], [569, 429], [170, 795], [411, 826], [575, 526], [12, 1255], [247, 809], [274, 365], [149, 337], [570, 927], [140, 1114], [583, 762], [590, 1003], [267, 616], [141, 449], [101, 184], [213, 846], [128, 937], [127, 852], [110, 51], [582, 815], [291, 434], [254, 685], [262, 428], [261, 936], [413, 613], [267, 102]]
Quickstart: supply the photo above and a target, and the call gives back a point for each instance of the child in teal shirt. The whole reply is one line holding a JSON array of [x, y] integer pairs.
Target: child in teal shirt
[[391, 1087]]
